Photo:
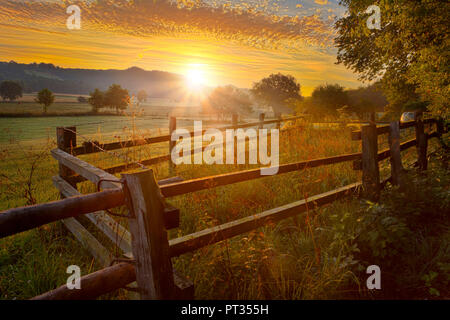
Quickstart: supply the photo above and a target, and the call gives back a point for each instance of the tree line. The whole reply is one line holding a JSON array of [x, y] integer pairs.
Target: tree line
[[282, 93], [115, 97]]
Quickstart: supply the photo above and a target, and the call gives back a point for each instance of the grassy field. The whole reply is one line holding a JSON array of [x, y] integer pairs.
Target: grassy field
[[318, 255], [67, 104]]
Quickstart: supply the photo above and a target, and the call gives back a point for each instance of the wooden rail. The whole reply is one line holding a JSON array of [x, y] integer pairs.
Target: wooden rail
[[356, 135], [184, 187], [89, 148], [16, 220], [212, 235]]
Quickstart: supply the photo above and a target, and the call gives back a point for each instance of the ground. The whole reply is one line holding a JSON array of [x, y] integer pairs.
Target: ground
[[322, 254]]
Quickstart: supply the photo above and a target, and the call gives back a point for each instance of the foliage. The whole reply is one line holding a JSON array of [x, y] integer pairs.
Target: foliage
[[97, 100], [276, 90], [366, 100], [10, 90], [407, 234], [117, 98], [142, 96], [46, 98], [410, 53], [226, 101]]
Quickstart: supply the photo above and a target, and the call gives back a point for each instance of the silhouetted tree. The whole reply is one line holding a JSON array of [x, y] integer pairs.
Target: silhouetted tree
[[46, 98], [10, 90], [116, 97]]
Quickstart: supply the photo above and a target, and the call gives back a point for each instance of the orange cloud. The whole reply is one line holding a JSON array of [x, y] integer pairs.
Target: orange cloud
[[185, 19]]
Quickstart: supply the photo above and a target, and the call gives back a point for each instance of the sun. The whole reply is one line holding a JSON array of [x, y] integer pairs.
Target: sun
[[195, 77]]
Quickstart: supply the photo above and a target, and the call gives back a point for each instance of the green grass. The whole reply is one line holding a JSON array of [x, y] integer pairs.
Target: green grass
[[317, 255]]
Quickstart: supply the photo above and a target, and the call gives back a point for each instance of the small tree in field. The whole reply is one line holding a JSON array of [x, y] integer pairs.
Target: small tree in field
[[227, 100], [97, 100], [117, 98], [46, 98], [142, 96], [10, 90]]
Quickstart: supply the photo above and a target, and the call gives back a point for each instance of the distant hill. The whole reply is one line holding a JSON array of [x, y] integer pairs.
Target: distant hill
[[36, 76]]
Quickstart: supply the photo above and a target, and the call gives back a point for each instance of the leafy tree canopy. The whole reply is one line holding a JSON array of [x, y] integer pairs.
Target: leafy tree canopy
[[410, 54], [10, 90], [277, 91], [117, 98]]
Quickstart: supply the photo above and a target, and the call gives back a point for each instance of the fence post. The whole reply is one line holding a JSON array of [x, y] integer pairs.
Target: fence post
[[422, 143], [234, 123], [278, 116], [440, 127], [154, 272], [395, 159], [172, 128], [371, 173], [66, 139], [261, 120]]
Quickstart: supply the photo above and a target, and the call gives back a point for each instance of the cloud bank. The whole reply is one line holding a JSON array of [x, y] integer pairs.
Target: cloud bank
[[256, 25]]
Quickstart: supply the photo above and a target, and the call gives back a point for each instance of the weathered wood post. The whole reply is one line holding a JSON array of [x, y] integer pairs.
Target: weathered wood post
[[440, 127], [66, 139], [234, 123], [261, 120], [172, 128], [261, 125], [371, 173], [395, 159], [278, 116], [150, 245], [422, 143]]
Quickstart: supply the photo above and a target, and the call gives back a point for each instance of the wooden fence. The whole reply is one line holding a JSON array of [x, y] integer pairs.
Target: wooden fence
[[146, 250]]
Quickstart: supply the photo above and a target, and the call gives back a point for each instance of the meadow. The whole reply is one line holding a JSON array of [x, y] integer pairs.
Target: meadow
[[321, 254]]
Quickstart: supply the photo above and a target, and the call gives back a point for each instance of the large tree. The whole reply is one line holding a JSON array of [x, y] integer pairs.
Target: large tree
[[10, 90], [277, 91], [46, 98], [117, 98], [410, 53]]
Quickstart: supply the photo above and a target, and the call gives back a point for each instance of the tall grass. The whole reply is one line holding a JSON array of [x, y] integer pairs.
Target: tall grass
[[315, 255]]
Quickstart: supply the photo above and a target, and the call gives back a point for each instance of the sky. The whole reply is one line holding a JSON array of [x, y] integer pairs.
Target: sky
[[226, 42]]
